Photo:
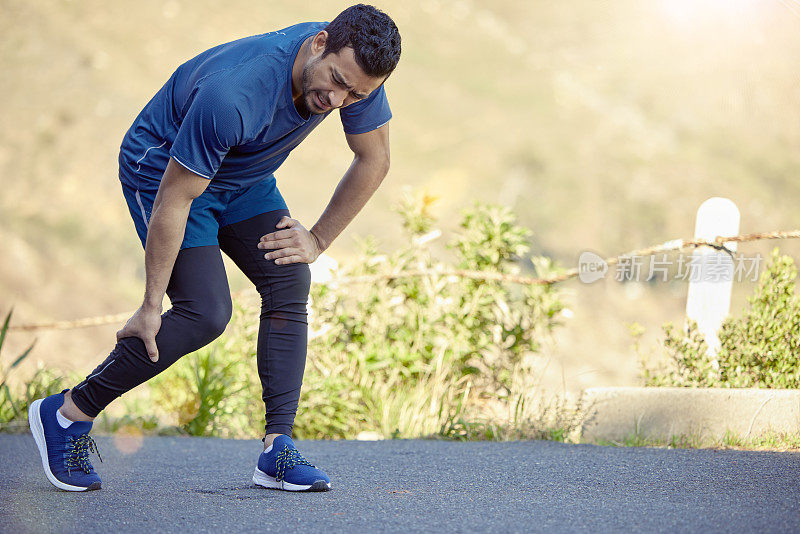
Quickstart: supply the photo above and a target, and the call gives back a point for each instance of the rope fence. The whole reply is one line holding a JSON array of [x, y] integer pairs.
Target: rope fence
[[668, 246]]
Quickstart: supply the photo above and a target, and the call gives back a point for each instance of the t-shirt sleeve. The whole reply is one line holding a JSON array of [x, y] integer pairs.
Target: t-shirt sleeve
[[366, 115], [211, 126]]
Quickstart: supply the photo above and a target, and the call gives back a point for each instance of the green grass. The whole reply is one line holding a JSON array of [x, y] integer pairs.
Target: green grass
[[769, 441]]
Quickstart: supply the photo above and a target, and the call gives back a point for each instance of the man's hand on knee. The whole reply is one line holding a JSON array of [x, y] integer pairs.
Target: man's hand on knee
[[293, 243]]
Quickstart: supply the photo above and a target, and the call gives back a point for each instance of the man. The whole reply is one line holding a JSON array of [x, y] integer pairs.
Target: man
[[196, 169]]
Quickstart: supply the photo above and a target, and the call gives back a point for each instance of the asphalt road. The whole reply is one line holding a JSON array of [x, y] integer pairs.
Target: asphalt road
[[199, 484]]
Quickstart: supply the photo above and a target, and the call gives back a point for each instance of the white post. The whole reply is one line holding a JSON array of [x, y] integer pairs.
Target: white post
[[711, 274]]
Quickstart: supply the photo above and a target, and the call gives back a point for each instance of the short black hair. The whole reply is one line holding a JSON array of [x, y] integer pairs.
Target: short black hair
[[372, 35]]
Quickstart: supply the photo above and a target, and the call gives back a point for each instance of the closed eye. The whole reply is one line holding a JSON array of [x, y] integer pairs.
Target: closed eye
[[341, 83], [338, 81]]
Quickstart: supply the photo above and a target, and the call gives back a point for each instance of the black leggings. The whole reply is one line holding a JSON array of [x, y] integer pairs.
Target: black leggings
[[201, 308]]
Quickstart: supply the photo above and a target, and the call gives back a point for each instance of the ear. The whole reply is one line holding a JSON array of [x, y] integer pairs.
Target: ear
[[318, 43]]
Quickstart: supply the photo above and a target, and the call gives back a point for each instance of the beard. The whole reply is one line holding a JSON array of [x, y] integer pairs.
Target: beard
[[307, 98]]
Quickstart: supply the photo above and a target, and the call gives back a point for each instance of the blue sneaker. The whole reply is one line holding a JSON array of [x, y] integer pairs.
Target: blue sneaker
[[282, 467], [64, 451]]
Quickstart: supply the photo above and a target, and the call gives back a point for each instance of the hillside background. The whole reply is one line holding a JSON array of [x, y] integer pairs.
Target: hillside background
[[603, 125]]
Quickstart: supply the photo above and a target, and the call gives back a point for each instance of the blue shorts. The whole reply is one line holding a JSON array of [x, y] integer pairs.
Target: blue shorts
[[209, 212]]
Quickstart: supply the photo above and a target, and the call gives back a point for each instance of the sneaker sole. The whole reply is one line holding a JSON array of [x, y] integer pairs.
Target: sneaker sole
[[260, 478], [37, 429]]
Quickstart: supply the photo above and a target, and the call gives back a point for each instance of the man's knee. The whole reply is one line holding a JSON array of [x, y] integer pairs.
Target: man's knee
[[215, 316], [288, 289], [209, 315]]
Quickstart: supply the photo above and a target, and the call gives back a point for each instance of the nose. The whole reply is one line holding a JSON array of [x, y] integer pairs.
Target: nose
[[336, 98]]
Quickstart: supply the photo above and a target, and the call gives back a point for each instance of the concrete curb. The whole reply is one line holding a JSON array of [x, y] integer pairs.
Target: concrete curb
[[616, 413]]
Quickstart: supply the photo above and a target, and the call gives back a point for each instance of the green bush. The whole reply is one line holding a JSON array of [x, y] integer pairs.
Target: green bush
[[410, 355], [396, 357], [759, 349]]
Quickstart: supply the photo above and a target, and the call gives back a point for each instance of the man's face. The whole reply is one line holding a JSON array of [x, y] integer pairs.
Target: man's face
[[335, 81]]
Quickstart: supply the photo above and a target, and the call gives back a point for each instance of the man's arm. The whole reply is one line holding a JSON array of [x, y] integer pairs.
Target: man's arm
[[178, 188], [295, 244]]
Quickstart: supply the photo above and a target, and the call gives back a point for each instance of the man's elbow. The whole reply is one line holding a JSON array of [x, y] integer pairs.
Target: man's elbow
[[384, 160], [384, 164], [377, 163]]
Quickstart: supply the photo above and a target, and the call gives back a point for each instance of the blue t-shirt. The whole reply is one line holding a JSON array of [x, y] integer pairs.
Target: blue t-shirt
[[228, 114]]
